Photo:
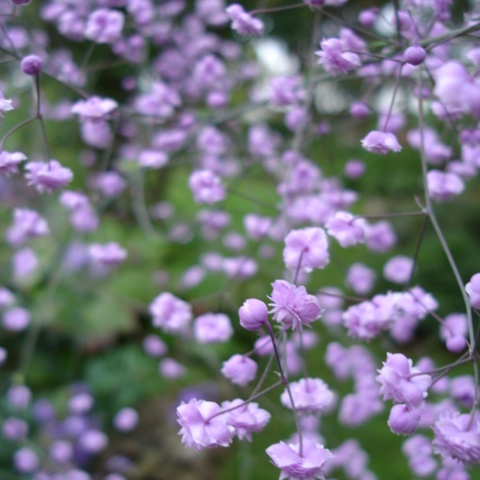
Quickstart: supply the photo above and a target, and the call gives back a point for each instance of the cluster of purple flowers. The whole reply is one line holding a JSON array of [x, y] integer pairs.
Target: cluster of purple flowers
[[178, 107]]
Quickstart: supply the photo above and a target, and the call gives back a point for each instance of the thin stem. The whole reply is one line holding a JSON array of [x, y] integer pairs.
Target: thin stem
[[395, 90], [277, 9], [417, 251], [434, 221], [40, 118], [477, 393], [15, 128], [275, 349], [246, 402], [263, 377], [390, 215]]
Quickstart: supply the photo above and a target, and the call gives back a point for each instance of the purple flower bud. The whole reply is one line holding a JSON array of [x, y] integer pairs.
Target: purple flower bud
[[14, 428], [154, 346], [253, 314], [126, 419], [16, 319], [25, 460], [93, 441], [239, 370], [212, 328], [170, 368], [31, 65], [359, 110], [414, 55], [367, 18], [473, 290], [403, 420], [354, 169], [61, 451]]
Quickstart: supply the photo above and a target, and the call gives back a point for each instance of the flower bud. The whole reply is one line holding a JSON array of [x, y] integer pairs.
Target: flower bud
[[253, 314], [367, 18], [414, 55], [403, 420], [31, 65]]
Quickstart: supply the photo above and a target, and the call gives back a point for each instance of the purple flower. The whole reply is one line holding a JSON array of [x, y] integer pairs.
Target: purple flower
[[404, 420], [108, 255], [457, 437], [310, 395], [5, 104], [93, 441], [360, 278], [160, 102], [200, 427], [104, 25], [31, 64], [342, 226], [253, 314], [126, 419], [49, 176], [414, 55], [26, 224], [170, 313], [95, 108], [334, 59], [206, 187], [473, 290], [381, 142], [170, 368], [154, 346], [242, 22], [152, 159], [110, 184], [401, 382], [25, 460], [9, 162], [239, 369], [16, 319], [14, 428], [292, 306], [380, 237], [306, 249], [398, 269], [443, 186], [212, 328], [309, 466], [246, 418]]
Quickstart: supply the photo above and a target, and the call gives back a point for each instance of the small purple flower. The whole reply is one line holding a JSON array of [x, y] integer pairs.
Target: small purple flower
[[61, 452], [170, 313], [398, 269], [309, 466], [343, 227], [381, 142], [26, 224], [16, 319], [239, 369], [49, 176], [253, 314], [154, 346], [93, 441], [415, 55], [473, 290], [310, 395], [14, 429], [25, 460], [5, 104], [126, 419], [111, 184], [104, 25], [200, 427], [292, 306], [457, 437], [108, 255], [31, 65], [242, 22], [152, 159], [94, 108], [206, 187], [334, 59], [443, 186], [306, 249], [360, 278], [246, 418], [404, 420], [9, 162], [212, 328], [171, 369], [401, 382]]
